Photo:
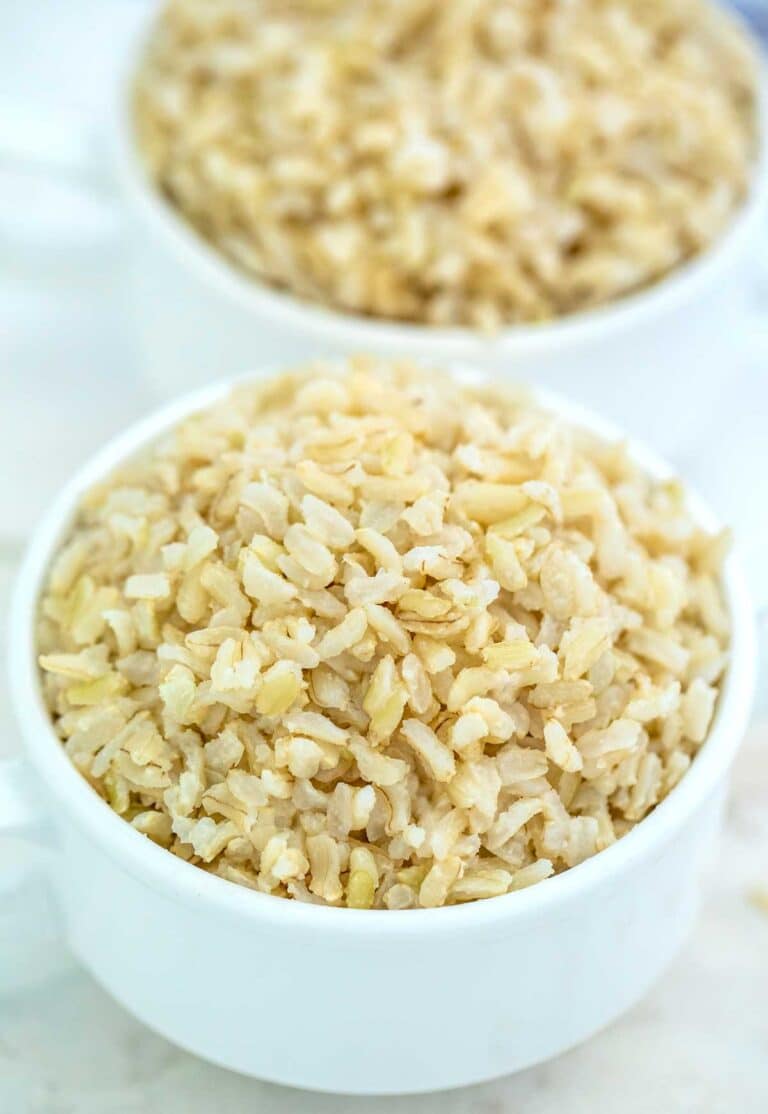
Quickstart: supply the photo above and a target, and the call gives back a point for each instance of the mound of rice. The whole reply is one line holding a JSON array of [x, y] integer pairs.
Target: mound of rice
[[365, 636], [454, 162]]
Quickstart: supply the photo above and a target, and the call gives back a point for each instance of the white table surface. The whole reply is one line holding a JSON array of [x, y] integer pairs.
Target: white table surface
[[68, 379]]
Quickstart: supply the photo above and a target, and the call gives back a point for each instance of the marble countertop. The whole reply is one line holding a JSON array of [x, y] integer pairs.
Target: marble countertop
[[698, 1044]]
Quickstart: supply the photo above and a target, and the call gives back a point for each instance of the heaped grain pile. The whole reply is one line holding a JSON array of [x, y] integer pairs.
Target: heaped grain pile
[[465, 162], [369, 637]]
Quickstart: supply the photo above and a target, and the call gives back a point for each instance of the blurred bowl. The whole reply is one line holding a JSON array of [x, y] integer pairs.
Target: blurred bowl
[[657, 360]]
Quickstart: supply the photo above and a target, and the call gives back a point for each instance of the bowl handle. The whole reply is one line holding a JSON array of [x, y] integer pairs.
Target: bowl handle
[[55, 141], [32, 943], [21, 817], [19, 813], [58, 198]]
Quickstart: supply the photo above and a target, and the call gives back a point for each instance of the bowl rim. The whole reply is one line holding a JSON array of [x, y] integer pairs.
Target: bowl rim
[[356, 331], [172, 876]]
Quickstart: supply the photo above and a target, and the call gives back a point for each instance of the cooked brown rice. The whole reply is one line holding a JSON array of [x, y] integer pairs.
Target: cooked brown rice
[[365, 636], [466, 162]]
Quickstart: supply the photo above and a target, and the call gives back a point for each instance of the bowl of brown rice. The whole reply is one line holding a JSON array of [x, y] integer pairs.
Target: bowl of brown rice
[[361, 682], [496, 184]]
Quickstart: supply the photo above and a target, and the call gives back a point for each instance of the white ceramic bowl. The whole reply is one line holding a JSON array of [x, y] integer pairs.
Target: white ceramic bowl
[[349, 1000], [197, 313]]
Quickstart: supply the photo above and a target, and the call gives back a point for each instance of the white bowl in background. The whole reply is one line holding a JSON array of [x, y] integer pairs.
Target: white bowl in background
[[656, 361], [364, 1002]]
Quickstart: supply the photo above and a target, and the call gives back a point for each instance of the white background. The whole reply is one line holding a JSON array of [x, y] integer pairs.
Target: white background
[[68, 379]]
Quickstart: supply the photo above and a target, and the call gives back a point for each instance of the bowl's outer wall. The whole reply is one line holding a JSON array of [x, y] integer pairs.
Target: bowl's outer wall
[[384, 1013]]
